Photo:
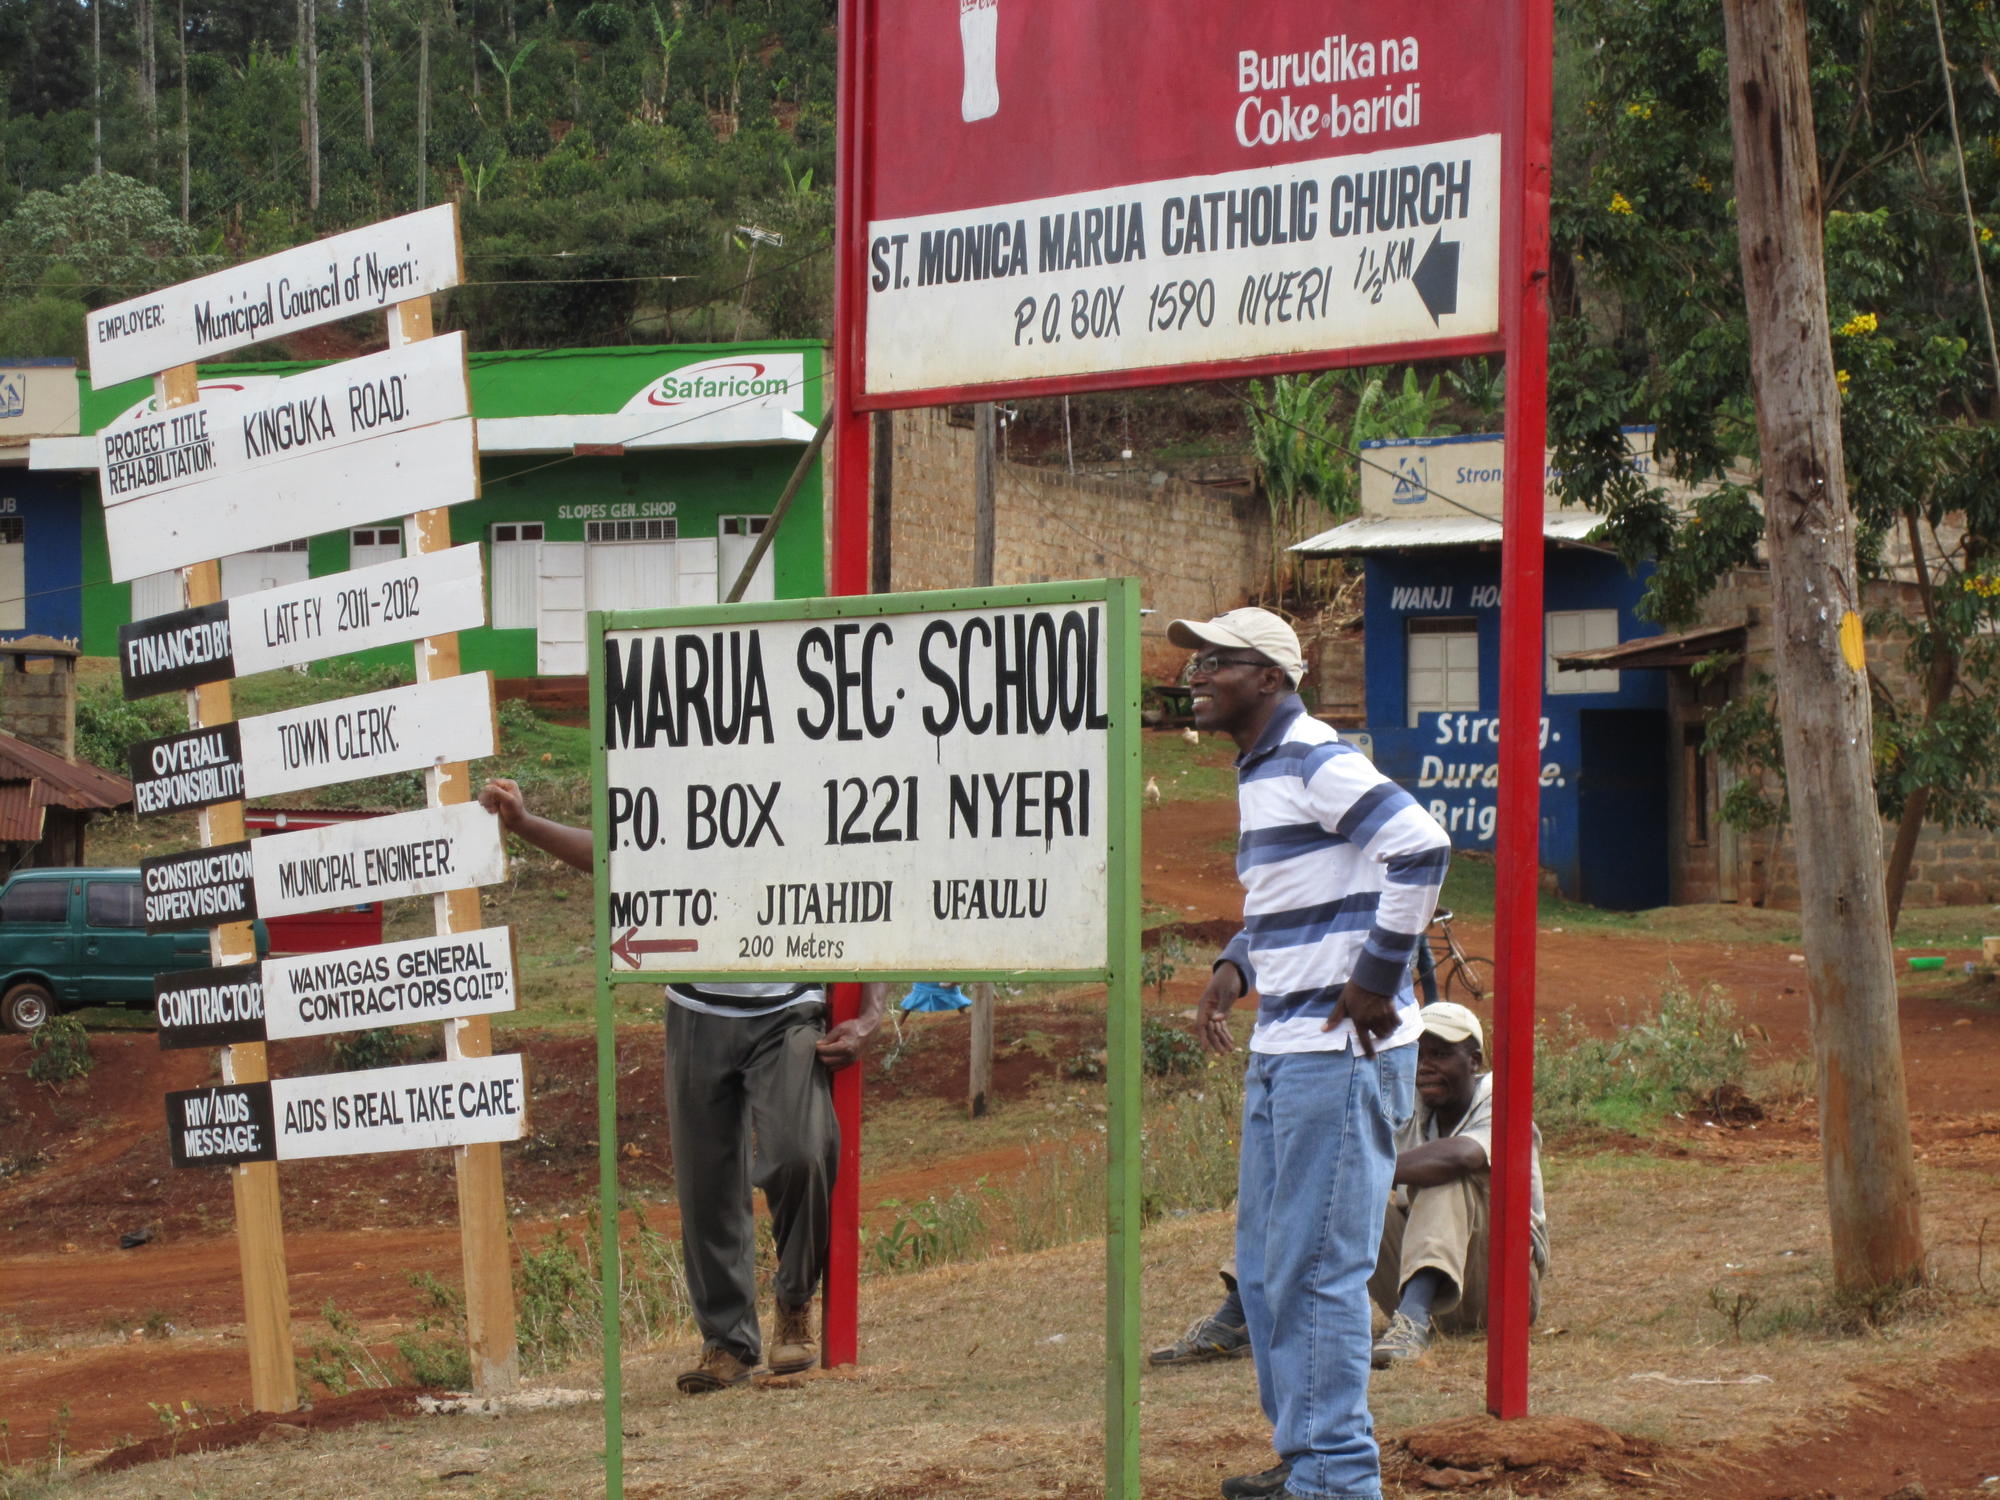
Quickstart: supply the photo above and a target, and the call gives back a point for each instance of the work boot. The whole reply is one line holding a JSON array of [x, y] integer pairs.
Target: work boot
[[1257, 1486], [1403, 1340], [1206, 1339], [792, 1346], [718, 1370]]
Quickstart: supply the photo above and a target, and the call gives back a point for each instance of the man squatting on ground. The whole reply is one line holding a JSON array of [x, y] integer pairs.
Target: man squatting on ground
[[741, 1058], [1430, 1274], [1341, 870]]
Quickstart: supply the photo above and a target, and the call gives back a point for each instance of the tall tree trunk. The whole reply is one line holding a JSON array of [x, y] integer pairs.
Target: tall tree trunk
[[180, 21], [309, 46], [423, 113], [97, 88], [149, 82], [367, 77], [1939, 682], [1871, 1183]]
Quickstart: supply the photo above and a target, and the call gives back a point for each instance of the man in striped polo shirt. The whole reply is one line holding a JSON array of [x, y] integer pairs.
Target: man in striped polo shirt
[[1340, 869]]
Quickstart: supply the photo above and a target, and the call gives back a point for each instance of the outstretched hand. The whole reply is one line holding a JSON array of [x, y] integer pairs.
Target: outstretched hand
[[502, 797]]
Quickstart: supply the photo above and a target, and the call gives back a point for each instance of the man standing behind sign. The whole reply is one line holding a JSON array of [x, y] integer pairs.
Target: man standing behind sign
[[1340, 870], [740, 1058]]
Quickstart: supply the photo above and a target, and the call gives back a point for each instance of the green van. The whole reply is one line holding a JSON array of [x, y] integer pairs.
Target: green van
[[74, 937]]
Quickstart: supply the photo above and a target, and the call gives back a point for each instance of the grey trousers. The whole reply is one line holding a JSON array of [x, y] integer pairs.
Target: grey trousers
[[1444, 1229], [749, 1104]]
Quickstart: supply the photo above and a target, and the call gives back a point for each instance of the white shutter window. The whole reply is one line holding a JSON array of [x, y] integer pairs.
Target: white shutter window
[[157, 594], [513, 567], [1443, 666], [1580, 630], [13, 573], [374, 544], [630, 564]]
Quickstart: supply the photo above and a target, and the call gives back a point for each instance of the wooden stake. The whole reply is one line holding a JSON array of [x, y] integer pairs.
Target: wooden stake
[[482, 1195], [260, 1229], [979, 1081]]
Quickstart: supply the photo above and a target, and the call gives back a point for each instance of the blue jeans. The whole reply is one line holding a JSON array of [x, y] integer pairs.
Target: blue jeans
[[1318, 1156]]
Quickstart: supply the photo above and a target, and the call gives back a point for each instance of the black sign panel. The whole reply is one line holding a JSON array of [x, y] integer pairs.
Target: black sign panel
[[183, 771], [222, 1125], [180, 650], [210, 1007], [198, 889]]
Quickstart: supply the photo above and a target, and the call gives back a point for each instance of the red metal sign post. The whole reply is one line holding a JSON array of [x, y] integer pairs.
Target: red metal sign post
[[1524, 289], [1034, 202]]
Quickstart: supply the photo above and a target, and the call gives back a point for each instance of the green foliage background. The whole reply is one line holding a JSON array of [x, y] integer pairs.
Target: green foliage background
[[603, 155]]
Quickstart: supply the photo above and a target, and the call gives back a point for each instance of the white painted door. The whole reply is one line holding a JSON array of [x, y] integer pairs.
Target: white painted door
[[559, 646], [13, 573], [694, 563], [515, 551], [737, 540], [266, 568], [630, 575]]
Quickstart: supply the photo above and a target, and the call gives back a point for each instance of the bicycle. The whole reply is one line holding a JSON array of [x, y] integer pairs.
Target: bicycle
[[1466, 977]]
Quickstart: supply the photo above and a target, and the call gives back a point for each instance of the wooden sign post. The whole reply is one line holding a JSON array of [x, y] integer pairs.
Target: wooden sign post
[[260, 1230], [482, 1197]]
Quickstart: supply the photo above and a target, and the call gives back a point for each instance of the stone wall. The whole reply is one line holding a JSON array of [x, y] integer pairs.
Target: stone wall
[[1196, 551], [1959, 867], [40, 706]]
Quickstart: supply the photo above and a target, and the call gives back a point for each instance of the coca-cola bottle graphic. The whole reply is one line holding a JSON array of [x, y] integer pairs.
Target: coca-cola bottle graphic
[[979, 30]]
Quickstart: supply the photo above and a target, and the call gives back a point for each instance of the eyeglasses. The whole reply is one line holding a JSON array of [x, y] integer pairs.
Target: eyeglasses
[[1213, 661]]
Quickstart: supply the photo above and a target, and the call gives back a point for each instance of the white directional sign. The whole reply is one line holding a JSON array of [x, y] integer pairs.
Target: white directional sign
[[378, 859], [352, 989], [1379, 248], [233, 433], [462, 1102], [922, 791], [301, 495], [385, 604], [360, 271], [372, 734]]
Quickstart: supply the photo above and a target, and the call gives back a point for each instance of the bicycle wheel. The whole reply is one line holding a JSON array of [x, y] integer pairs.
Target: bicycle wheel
[[1470, 979]]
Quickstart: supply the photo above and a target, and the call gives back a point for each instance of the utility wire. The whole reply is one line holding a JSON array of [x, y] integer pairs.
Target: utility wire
[[1965, 196]]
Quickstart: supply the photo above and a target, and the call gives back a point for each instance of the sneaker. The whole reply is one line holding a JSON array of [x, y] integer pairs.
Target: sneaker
[[1206, 1339], [1271, 1482], [792, 1346], [1403, 1340], [718, 1370]]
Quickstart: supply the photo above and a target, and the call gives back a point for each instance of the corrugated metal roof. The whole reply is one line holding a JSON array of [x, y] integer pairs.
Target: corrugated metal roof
[[21, 814], [59, 782], [1656, 650], [1391, 535]]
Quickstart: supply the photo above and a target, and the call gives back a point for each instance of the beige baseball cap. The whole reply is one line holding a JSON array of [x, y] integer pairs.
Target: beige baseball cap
[[1452, 1022], [1247, 629]]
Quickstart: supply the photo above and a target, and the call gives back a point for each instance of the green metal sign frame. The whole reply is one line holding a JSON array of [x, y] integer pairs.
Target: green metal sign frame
[[1119, 972]]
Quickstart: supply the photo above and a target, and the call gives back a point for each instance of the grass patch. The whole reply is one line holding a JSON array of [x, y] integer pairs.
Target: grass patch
[[1656, 1064], [1204, 772]]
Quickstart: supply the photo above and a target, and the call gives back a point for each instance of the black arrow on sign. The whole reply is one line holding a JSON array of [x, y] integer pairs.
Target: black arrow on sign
[[1436, 277]]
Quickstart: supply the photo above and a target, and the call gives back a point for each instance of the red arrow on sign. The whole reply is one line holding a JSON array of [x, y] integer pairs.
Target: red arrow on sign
[[625, 948]]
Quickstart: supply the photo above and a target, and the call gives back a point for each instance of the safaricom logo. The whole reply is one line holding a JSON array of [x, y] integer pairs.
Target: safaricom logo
[[736, 380]]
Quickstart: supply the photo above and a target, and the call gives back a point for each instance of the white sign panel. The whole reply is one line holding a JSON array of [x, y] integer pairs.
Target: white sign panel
[[394, 984], [385, 604], [231, 433], [371, 734], [459, 1103], [378, 859], [917, 792], [300, 496], [361, 271], [1371, 249]]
